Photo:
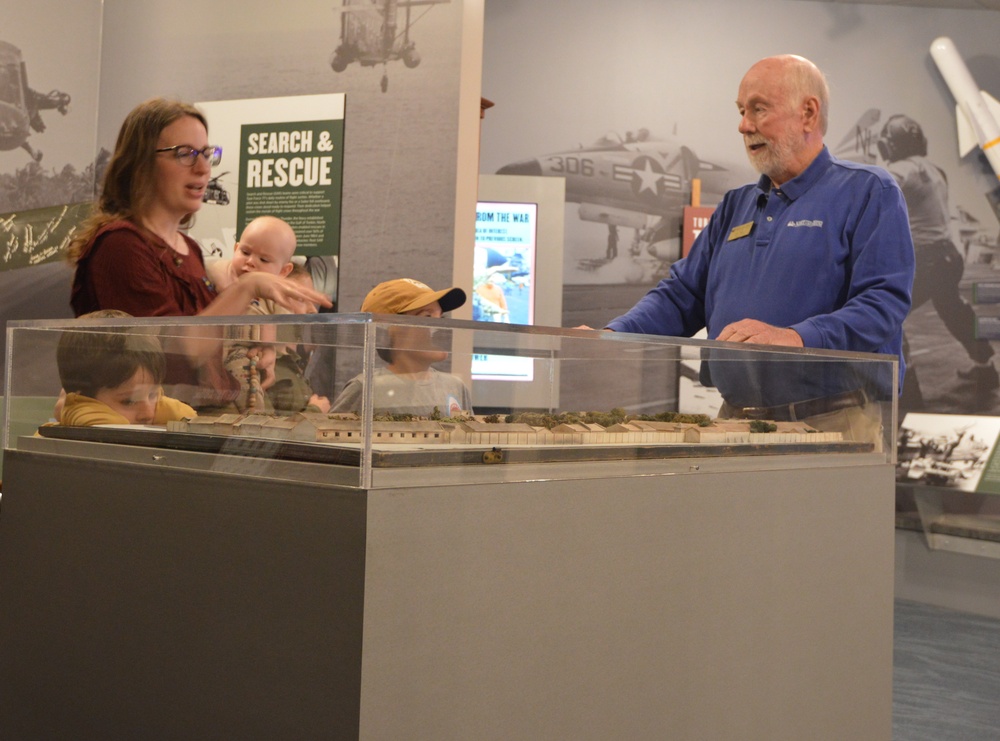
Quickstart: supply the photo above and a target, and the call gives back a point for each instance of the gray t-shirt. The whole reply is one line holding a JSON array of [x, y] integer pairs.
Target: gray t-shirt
[[926, 192], [408, 394]]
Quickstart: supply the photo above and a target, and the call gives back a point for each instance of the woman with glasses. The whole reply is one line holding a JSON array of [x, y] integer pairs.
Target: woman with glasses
[[132, 254]]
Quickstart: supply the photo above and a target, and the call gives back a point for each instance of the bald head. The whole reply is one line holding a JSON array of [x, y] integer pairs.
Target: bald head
[[799, 79], [783, 103], [267, 244]]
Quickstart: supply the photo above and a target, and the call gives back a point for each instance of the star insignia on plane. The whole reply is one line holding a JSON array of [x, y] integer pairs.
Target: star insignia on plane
[[646, 175]]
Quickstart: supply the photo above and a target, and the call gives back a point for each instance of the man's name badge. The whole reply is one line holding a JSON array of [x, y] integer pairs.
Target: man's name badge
[[740, 231]]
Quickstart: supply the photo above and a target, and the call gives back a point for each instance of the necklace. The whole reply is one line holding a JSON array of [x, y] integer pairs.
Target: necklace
[[172, 245]]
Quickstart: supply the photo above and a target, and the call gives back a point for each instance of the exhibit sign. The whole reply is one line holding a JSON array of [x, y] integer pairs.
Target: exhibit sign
[[282, 157], [695, 219], [949, 450]]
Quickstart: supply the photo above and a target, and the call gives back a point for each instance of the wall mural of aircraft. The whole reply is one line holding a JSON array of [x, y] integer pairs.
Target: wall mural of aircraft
[[638, 181], [20, 106], [642, 182], [370, 34]]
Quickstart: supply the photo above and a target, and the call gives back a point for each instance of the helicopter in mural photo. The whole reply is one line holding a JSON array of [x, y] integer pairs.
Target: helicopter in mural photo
[[20, 105], [215, 192], [372, 33]]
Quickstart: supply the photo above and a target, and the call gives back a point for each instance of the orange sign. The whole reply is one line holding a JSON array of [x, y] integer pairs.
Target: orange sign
[[695, 219]]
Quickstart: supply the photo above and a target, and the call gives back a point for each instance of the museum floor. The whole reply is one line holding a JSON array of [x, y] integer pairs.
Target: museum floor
[[946, 677]]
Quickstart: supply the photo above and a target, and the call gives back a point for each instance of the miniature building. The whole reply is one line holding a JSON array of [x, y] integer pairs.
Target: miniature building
[[337, 430], [409, 432], [477, 432], [288, 428], [639, 431], [347, 428]]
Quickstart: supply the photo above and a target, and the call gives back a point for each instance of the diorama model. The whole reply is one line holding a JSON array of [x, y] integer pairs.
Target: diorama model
[[593, 428]]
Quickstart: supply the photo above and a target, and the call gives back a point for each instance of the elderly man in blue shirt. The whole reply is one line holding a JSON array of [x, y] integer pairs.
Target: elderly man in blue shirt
[[816, 254]]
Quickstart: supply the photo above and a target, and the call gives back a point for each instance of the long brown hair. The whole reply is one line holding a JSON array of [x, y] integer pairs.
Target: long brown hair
[[129, 181]]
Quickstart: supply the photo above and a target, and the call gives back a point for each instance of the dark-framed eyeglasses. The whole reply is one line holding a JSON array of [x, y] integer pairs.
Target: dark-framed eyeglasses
[[189, 155]]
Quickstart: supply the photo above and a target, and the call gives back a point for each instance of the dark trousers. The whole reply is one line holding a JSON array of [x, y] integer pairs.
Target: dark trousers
[[939, 272]]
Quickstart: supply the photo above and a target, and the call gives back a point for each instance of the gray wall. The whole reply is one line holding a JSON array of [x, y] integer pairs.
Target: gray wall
[[562, 75], [401, 147]]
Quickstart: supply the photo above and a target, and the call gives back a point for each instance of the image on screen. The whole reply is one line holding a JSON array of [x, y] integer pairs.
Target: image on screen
[[503, 283]]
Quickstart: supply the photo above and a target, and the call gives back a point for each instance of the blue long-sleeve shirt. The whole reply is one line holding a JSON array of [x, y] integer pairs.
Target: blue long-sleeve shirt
[[828, 254]]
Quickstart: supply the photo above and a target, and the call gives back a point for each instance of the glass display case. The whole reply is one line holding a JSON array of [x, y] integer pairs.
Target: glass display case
[[482, 495], [460, 401]]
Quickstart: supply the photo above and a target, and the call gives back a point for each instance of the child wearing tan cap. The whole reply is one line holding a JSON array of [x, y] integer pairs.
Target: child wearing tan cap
[[407, 384]]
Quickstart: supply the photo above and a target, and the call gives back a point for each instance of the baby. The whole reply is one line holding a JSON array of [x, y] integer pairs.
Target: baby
[[267, 244], [252, 357]]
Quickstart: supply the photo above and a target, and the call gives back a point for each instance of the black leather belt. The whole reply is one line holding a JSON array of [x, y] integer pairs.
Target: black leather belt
[[798, 410]]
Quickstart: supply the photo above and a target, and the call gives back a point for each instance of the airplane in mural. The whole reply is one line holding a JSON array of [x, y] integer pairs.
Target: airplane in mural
[[371, 33], [637, 181], [20, 106], [642, 182]]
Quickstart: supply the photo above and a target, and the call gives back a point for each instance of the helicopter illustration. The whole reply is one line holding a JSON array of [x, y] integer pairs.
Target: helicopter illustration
[[370, 34], [20, 106], [215, 192]]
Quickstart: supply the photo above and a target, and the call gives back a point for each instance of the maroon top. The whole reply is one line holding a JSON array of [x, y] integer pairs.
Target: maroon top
[[132, 270]]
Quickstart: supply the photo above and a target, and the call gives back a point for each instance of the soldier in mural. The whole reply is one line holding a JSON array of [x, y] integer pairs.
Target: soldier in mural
[[939, 264]]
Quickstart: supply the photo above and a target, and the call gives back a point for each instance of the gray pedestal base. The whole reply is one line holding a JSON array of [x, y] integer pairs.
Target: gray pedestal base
[[142, 602]]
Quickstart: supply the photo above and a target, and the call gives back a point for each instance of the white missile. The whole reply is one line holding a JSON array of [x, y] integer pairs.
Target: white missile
[[976, 110]]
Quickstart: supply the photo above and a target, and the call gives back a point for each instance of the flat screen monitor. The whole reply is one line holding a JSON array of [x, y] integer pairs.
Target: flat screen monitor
[[503, 279], [517, 279]]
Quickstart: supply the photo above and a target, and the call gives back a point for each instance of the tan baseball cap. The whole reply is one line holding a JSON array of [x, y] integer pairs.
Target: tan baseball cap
[[405, 294]]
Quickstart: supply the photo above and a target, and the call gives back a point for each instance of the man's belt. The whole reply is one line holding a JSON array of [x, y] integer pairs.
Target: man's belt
[[800, 409]]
